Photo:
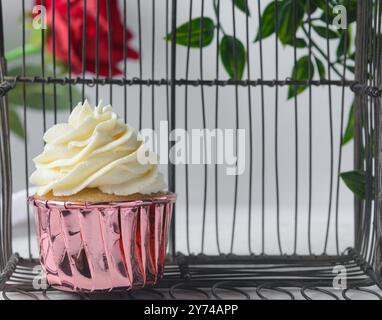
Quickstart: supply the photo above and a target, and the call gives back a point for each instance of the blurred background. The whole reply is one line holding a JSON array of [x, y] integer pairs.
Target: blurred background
[[154, 65]]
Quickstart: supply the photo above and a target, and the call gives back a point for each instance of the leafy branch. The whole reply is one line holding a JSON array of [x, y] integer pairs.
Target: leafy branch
[[296, 23]]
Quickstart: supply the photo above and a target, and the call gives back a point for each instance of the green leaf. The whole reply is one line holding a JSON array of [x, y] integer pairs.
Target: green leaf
[[34, 92], [356, 182], [301, 72], [325, 32], [242, 5], [321, 68], [228, 46], [345, 39], [298, 43], [313, 6], [319, 4], [17, 53], [349, 131], [15, 123], [267, 27], [34, 98], [287, 25], [194, 34], [30, 71], [351, 69], [351, 9]]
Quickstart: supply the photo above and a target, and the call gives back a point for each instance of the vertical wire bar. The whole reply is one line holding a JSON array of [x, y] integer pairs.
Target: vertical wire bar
[[4, 166], [6, 170], [360, 77], [295, 129], [250, 132], [97, 50], [43, 68], [187, 195], [110, 49], [217, 10], [377, 113], [205, 173], [310, 131], [124, 60], [153, 67], [262, 132], [372, 48], [366, 128], [84, 48], [167, 85], [236, 77], [53, 31], [3, 258], [25, 129], [331, 130], [69, 56], [345, 53], [172, 172], [140, 62], [376, 83], [276, 126]]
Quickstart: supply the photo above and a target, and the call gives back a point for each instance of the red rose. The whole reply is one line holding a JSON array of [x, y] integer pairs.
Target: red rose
[[76, 29]]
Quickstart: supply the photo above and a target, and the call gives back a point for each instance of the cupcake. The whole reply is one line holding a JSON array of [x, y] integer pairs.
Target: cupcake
[[102, 214]]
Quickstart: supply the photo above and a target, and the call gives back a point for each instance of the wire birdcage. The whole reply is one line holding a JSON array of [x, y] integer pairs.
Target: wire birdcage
[[229, 234]]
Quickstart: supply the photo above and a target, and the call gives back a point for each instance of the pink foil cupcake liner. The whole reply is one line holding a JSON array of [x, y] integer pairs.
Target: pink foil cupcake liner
[[103, 246]]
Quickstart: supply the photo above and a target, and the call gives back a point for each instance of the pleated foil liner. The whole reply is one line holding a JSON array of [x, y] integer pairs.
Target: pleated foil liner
[[103, 246]]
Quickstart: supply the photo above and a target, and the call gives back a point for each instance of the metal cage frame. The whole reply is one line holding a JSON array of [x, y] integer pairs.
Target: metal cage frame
[[251, 276]]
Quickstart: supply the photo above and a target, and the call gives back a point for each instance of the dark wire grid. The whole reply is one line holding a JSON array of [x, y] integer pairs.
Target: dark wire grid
[[217, 11], [26, 166], [330, 129], [189, 31], [370, 116], [277, 194], [205, 167], [250, 133], [262, 134]]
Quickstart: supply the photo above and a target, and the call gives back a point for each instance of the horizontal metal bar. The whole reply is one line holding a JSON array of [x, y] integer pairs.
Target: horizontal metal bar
[[258, 259], [179, 82]]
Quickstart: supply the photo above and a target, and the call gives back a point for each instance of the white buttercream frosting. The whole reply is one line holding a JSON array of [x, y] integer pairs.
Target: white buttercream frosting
[[95, 149]]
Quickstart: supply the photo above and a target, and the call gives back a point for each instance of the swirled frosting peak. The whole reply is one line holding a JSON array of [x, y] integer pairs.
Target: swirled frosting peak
[[95, 149]]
